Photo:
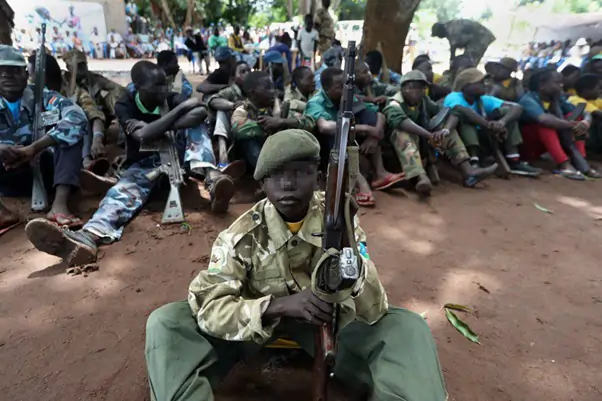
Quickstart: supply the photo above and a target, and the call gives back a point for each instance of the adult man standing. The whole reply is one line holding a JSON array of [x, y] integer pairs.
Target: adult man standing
[[465, 34], [325, 26]]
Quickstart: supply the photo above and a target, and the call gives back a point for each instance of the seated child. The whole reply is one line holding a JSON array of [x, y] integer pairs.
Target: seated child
[[547, 129], [373, 93], [302, 88], [589, 91], [487, 120], [408, 114], [145, 116], [435, 91], [501, 83], [369, 129], [59, 149], [254, 119]]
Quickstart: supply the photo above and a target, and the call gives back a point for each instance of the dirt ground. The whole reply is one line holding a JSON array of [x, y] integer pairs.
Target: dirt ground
[[533, 278], [82, 338]]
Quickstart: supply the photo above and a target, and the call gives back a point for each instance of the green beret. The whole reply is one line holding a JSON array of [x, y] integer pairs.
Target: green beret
[[283, 147]]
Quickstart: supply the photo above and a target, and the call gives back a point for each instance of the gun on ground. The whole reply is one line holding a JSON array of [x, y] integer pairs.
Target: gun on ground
[[39, 198], [338, 268], [170, 166]]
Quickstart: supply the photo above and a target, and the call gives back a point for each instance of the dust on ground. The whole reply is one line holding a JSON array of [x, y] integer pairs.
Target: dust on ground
[[533, 278]]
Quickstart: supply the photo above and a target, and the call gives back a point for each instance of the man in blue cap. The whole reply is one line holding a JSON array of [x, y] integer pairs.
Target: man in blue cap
[[60, 149], [223, 76]]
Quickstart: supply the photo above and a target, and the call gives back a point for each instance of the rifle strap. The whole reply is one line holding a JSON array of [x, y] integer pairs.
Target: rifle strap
[[342, 295]]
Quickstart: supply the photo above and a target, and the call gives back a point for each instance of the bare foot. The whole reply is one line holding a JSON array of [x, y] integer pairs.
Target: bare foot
[[7, 218]]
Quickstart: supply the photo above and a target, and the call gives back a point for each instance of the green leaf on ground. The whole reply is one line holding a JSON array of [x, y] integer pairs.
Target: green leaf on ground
[[458, 307], [543, 209], [461, 326]]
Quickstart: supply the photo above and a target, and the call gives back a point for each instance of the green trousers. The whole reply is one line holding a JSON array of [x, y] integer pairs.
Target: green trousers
[[476, 137], [407, 148], [395, 359]]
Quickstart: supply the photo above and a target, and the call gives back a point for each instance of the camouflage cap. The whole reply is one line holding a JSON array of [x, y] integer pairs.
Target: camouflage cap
[[283, 147], [507, 62], [11, 57], [414, 76], [74, 57], [467, 77], [222, 53]]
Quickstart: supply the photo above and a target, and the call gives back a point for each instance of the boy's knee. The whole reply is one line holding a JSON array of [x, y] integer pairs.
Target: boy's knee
[[167, 316]]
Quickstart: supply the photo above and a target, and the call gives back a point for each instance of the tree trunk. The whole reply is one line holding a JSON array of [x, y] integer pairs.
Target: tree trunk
[[167, 11], [6, 23], [289, 10], [388, 22], [189, 12]]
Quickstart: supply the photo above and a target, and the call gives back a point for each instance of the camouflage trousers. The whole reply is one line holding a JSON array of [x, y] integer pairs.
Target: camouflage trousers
[[125, 199], [392, 360], [407, 148]]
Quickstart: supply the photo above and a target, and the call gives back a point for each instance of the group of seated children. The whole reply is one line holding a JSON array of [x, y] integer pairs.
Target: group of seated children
[[485, 124]]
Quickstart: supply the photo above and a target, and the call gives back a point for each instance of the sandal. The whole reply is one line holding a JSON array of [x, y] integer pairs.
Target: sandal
[[221, 191], [593, 173], [365, 199], [6, 229], [388, 181], [62, 220], [572, 174]]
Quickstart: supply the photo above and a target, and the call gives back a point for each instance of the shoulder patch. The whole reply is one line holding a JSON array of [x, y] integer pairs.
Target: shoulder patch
[[247, 222]]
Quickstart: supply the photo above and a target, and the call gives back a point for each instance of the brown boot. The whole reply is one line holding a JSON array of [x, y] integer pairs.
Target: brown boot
[[473, 175], [424, 186]]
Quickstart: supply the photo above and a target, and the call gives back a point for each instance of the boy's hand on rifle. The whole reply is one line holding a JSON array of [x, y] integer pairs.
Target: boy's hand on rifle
[[379, 100], [581, 128], [438, 136], [303, 306]]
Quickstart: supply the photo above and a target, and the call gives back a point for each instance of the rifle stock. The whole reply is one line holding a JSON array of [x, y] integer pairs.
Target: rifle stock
[[332, 276], [39, 198]]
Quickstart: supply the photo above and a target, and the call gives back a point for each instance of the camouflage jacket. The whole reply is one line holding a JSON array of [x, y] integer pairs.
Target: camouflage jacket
[[296, 100], [326, 23], [104, 92], [258, 259], [245, 126], [84, 100], [376, 89], [397, 111], [461, 33], [232, 93], [64, 120]]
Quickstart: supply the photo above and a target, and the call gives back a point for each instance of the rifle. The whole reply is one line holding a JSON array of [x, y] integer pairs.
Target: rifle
[[170, 166], [338, 269], [39, 198]]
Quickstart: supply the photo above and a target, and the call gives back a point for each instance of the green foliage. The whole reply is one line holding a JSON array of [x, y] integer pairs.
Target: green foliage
[[352, 10], [445, 9]]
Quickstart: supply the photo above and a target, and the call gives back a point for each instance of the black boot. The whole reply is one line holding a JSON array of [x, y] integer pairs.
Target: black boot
[[423, 185]]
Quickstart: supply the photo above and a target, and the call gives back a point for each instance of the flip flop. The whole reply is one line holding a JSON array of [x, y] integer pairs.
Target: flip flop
[[99, 166], [63, 220], [572, 174], [365, 199], [388, 181], [221, 191], [6, 229]]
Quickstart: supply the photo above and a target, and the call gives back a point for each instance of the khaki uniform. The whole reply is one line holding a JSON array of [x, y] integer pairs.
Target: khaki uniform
[[83, 99], [387, 353], [296, 100], [376, 89], [407, 146], [326, 31]]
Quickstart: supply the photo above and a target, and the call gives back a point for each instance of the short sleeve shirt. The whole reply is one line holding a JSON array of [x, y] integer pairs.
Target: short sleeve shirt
[[490, 103], [533, 107]]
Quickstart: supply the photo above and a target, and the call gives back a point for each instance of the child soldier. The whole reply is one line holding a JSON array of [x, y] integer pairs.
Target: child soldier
[[487, 119], [255, 118], [369, 128], [297, 95], [373, 93], [259, 285], [145, 116], [103, 91], [546, 128], [408, 114], [589, 91], [501, 83], [65, 124]]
